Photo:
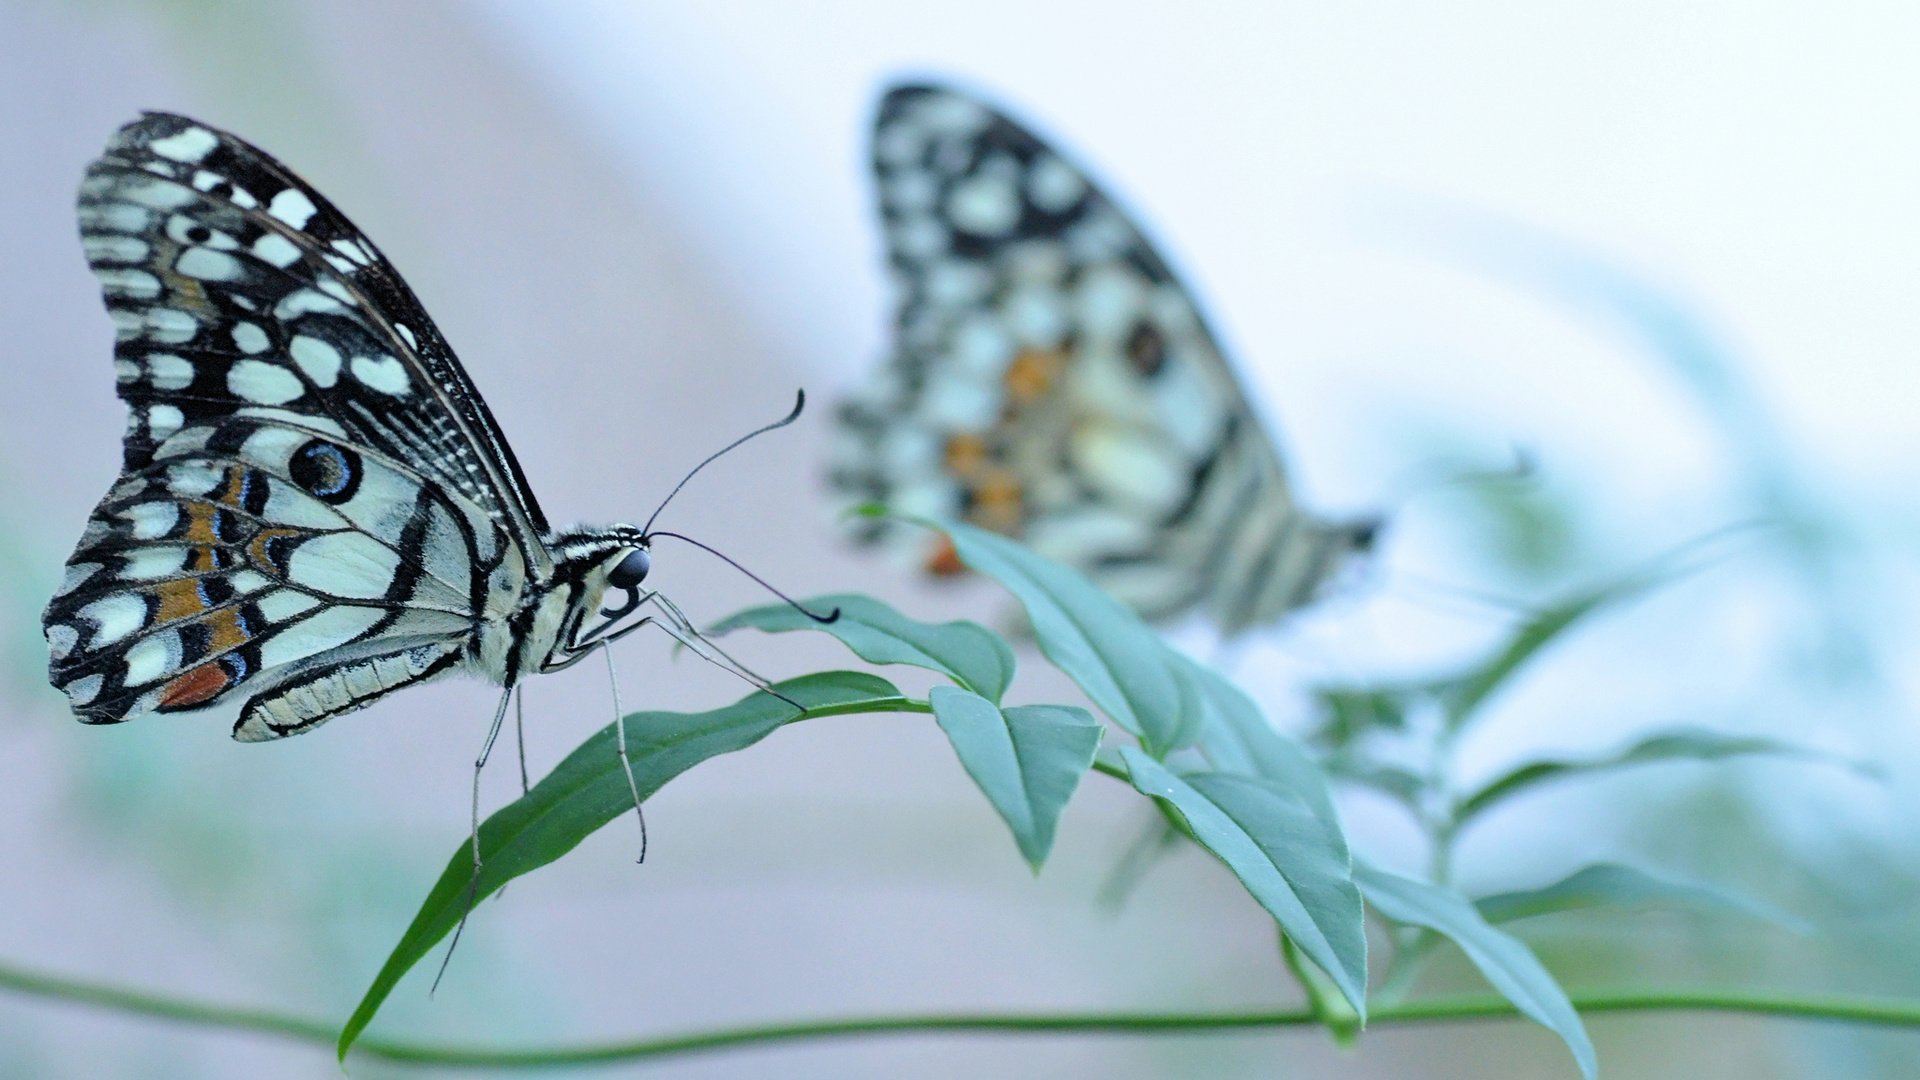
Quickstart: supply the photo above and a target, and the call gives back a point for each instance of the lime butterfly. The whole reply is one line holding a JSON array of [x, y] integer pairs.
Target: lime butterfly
[[1051, 378]]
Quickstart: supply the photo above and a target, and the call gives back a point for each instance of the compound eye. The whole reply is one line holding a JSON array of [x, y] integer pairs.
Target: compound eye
[[630, 571]]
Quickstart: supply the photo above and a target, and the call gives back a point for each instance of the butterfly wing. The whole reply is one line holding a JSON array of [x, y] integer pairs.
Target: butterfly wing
[[316, 504], [1053, 379]]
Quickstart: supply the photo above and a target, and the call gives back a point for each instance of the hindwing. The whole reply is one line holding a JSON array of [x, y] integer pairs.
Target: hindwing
[[1052, 378], [251, 556]]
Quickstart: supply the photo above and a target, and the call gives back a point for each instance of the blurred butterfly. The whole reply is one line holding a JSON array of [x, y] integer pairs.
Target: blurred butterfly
[[1052, 379], [316, 507]]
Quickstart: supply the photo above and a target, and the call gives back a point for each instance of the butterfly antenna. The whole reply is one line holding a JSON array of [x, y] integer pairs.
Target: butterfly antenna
[[799, 402], [831, 616], [1426, 477]]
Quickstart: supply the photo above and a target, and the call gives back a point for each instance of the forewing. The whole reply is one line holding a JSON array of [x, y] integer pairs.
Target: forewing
[[250, 556], [235, 288], [1052, 378]]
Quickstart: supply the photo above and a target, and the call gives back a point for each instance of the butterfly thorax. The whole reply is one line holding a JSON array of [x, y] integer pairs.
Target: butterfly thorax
[[543, 625]]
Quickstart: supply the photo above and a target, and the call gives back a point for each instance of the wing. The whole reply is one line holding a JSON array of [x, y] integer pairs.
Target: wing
[[262, 558], [316, 503], [236, 288], [1052, 378]]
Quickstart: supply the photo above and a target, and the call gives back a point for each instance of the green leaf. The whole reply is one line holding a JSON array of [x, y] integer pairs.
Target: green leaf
[[1679, 744], [1027, 759], [1236, 737], [1507, 963], [1615, 886], [589, 788], [1461, 698], [1350, 712], [966, 652], [1118, 661], [1404, 785], [1284, 854]]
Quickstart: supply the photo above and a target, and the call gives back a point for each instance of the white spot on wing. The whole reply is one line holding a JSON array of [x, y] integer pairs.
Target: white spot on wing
[[318, 359], [82, 691], [168, 372], [277, 250], [208, 265], [293, 207], [303, 301], [283, 604], [152, 657], [1053, 185], [249, 338], [382, 373], [263, 383], [112, 247], [152, 520], [76, 575], [116, 617], [986, 204], [190, 145], [137, 284], [61, 640], [164, 420]]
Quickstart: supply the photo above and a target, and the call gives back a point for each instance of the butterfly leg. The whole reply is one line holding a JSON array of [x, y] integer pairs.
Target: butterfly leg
[[682, 631], [473, 883], [520, 734], [620, 748]]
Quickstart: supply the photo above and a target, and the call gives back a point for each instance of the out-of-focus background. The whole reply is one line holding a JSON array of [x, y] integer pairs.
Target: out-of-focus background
[[1670, 251]]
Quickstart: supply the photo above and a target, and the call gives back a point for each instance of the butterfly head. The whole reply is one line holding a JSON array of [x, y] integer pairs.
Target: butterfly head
[[1363, 533], [598, 561]]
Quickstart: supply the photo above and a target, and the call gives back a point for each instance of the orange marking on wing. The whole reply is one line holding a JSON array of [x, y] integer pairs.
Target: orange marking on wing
[[194, 687], [944, 561], [257, 550], [199, 560], [229, 490], [200, 524], [997, 502], [965, 455], [1033, 373], [227, 632], [179, 599]]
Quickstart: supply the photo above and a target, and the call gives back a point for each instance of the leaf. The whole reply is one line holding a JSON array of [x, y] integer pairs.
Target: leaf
[[1404, 785], [1284, 854], [1350, 712], [1116, 659], [1617, 886], [1679, 744], [1460, 698], [1507, 963], [1027, 759], [1236, 737], [588, 789], [968, 653]]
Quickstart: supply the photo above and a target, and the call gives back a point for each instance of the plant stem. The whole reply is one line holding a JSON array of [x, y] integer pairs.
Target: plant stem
[[1856, 1010]]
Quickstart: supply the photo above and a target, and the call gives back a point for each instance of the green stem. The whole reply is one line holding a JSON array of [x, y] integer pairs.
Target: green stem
[[1856, 1010]]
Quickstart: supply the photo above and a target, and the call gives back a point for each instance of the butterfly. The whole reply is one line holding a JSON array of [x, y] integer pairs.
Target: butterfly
[[1051, 378], [316, 507]]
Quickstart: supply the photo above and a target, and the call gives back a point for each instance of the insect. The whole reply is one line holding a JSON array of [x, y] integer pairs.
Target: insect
[[1051, 378], [316, 507]]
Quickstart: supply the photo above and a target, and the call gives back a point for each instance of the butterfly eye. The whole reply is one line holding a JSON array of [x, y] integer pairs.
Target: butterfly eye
[[631, 570]]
